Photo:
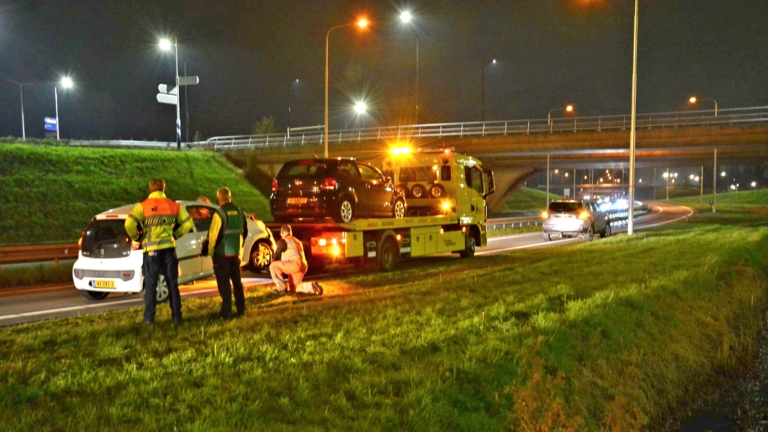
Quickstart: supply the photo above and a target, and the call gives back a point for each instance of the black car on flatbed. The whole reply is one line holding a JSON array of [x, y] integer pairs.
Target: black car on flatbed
[[340, 188]]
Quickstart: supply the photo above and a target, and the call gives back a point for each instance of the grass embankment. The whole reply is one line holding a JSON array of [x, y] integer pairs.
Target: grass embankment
[[752, 202], [607, 334], [35, 276], [50, 193], [527, 200]]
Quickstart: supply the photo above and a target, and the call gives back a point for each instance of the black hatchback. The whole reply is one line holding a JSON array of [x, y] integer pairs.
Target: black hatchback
[[341, 188]]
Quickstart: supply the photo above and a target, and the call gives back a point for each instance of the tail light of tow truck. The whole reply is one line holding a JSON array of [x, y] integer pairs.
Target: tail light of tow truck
[[328, 244]]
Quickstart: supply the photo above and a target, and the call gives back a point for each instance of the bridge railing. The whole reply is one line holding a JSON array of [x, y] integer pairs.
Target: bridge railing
[[680, 119]]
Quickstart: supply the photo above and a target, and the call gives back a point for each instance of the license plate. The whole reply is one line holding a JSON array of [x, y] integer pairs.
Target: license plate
[[297, 200], [104, 284], [556, 235]]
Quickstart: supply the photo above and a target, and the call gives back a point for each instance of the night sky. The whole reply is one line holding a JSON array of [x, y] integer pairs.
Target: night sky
[[249, 54]]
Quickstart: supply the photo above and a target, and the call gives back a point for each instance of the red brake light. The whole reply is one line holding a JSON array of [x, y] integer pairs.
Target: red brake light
[[274, 185], [329, 184]]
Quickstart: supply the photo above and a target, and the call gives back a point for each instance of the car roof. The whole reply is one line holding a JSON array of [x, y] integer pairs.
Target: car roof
[[123, 211], [336, 159]]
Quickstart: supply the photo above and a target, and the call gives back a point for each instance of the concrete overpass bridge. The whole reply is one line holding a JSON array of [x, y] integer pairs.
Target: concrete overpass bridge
[[517, 150]]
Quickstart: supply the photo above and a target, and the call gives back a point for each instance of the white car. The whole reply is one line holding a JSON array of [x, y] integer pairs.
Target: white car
[[109, 262]]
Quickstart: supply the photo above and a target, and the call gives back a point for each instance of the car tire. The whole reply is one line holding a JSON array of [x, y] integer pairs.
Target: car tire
[[94, 295], [388, 255], [590, 234], [163, 293], [607, 231], [437, 191], [261, 257], [546, 237], [418, 191], [346, 211], [469, 247], [398, 209]]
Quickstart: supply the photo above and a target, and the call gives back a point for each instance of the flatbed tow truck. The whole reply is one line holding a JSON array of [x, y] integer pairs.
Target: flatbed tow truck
[[381, 243]]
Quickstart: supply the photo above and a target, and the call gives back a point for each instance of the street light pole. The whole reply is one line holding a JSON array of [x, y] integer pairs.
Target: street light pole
[[483, 85], [21, 94], [178, 95], [714, 183], [694, 99], [56, 99], [633, 135], [701, 187]]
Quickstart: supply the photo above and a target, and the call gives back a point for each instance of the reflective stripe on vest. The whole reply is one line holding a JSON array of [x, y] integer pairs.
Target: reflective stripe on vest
[[294, 249], [159, 219]]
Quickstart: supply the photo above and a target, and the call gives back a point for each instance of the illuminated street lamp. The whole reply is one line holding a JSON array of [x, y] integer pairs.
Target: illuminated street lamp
[[493, 62], [360, 108], [568, 109], [66, 83], [167, 45], [694, 99], [361, 23], [753, 184], [722, 174]]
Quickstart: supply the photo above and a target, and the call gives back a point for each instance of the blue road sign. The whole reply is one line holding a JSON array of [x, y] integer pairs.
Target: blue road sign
[[51, 123]]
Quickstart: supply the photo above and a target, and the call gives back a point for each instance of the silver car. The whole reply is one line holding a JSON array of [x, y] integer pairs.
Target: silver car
[[571, 218], [109, 262]]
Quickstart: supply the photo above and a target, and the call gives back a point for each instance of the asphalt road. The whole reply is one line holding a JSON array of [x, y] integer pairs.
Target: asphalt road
[[29, 305]]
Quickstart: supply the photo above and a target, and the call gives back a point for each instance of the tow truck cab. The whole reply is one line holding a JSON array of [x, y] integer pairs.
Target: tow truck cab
[[452, 222]]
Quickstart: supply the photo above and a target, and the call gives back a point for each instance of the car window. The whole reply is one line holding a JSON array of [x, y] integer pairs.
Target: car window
[[348, 169], [474, 178], [305, 168], [201, 216], [445, 173], [417, 174], [563, 207], [369, 173], [106, 238]]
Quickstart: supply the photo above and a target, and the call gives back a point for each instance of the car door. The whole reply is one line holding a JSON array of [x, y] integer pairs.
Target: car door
[[202, 216], [350, 182], [378, 191]]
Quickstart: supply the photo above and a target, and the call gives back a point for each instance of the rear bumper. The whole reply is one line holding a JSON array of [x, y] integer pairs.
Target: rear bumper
[[565, 227], [109, 270], [320, 206]]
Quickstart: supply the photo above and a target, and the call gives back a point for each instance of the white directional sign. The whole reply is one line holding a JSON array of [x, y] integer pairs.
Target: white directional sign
[[189, 80], [167, 99]]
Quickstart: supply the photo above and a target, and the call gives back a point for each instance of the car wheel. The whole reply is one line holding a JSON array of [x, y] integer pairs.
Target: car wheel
[[346, 211], [94, 295], [398, 210], [546, 237], [607, 231], [163, 293], [418, 191], [437, 191], [469, 247], [590, 234], [388, 255], [261, 257]]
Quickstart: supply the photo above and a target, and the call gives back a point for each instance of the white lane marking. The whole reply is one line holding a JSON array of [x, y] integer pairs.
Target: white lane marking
[[514, 236], [106, 304]]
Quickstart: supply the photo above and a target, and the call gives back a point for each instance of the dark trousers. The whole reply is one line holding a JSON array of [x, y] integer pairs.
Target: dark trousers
[[226, 269], [156, 263]]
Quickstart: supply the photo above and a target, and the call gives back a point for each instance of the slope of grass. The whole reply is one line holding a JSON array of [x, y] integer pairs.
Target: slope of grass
[[50, 193], [753, 202], [527, 200], [607, 334]]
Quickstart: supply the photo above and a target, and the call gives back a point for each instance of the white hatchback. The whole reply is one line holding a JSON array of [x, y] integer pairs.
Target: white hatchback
[[109, 262]]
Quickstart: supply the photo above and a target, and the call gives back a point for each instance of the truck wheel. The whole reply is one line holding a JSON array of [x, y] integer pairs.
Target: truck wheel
[[398, 210], [94, 295], [261, 257], [418, 191], [388, 255], [469, 247], [346, 211], [437, 191]]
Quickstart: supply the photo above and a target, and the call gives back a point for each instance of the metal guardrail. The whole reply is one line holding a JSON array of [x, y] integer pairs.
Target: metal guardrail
[[28, 254], [680, 119]]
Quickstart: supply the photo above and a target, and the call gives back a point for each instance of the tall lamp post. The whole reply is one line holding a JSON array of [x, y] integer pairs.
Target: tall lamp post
[[66, 83], [21, 93], [694, 99], [405, 18], [362, 23], [568, 109], [166, 45], [632, 133], [492, 62]]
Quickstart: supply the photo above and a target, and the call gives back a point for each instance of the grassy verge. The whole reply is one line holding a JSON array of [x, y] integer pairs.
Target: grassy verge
[[607, 334], [50, 193], [527, 200], [35, 276]]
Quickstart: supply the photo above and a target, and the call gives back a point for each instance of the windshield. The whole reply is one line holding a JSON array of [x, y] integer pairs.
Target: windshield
[[106, 238], [418, 174], [305, 168], [564, 207]]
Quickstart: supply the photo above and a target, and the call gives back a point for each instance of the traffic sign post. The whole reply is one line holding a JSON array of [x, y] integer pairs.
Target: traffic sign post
[[51, 124], [172, 98]]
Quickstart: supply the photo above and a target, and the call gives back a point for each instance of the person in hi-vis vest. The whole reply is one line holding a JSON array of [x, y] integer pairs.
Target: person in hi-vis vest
[[290, 261], [225, 246]]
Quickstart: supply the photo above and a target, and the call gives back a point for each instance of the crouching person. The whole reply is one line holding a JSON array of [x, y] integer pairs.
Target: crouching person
[[290, 261]]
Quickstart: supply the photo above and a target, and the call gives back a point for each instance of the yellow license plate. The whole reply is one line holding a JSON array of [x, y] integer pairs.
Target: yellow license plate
[[105, 284], [297, 200]]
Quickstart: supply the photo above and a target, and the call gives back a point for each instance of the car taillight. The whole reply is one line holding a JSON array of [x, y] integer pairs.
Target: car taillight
[[274, 185], [329, 184]]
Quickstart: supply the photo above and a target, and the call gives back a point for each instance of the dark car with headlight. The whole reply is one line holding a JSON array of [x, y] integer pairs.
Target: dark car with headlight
[[339, 188], [571, 218]]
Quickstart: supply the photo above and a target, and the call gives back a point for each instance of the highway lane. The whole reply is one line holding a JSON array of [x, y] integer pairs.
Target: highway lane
[[24, 306]]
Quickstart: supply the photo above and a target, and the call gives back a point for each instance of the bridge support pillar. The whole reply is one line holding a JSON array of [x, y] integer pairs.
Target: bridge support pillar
[[507, 182]]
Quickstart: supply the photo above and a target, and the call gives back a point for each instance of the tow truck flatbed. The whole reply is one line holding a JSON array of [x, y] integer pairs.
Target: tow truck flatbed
[[373, 224]]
